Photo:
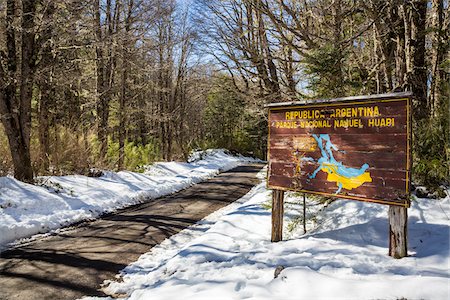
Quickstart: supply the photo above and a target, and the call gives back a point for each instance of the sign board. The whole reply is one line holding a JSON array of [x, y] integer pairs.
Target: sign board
[[354, 148]]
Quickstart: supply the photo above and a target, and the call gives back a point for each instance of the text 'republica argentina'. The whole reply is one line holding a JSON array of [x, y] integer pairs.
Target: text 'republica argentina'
[[336, 117]]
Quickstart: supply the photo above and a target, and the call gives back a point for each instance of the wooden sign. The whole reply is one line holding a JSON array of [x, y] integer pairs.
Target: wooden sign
[[355, 148]]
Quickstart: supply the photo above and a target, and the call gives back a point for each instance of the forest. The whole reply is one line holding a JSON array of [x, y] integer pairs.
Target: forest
[[119, 84]]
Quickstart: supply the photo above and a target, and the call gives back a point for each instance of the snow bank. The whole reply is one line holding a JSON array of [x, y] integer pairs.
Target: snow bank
[[27, 209], [343, 255]]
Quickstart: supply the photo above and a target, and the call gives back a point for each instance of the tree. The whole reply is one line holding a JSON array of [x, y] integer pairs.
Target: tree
[[125, 70], [105, 27], [24, 40], [224, 113], [237, 35]]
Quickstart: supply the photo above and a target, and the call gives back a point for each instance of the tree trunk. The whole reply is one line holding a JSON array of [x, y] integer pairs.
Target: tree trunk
[[124, 86], [122, 115], [161, 98], [101, 134], [266, 53], [437, 56], [19, 150], [266, 59], [400, 65], [104, 72], [28, 64], [338, 87], [56, 144], [142, 120], [418, 76], [406, 16], [46, 99], [44, 125], [15, 105], [376, 59]]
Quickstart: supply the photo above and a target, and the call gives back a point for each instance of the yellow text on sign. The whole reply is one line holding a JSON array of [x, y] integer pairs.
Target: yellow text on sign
[[347, 112]]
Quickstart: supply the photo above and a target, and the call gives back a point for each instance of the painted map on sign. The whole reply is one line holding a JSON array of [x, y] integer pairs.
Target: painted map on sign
[[344, 177]]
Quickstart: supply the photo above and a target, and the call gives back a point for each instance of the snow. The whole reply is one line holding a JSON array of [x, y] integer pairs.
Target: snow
[[343, 255], [58, 201]]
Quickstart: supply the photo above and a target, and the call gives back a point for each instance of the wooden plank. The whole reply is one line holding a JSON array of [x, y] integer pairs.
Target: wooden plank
[[359, 98], [341, 130], [313, 114], [288, 169], [348, 142], [343, 110], [355, 159], [396, 185], [330, 189]]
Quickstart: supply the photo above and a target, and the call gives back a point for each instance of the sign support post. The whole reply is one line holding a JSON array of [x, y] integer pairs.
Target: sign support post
[[304, 213], [277, 215], [398, 221]]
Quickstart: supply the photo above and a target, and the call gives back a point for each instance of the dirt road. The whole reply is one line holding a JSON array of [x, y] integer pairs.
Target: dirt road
[[74, 262]]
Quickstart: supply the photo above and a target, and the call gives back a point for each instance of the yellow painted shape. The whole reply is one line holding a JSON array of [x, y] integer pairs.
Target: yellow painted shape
[[304, 144], [348, 183]]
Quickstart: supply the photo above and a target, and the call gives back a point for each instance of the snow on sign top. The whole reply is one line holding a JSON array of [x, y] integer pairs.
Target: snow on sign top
[[354, 148]]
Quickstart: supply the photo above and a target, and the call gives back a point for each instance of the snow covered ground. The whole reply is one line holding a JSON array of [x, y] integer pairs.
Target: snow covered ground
[[57, 201], [343, 255]]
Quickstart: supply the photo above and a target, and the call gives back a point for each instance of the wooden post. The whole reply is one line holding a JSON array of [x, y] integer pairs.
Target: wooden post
[[304, 213], [277, 215], [398, 221]]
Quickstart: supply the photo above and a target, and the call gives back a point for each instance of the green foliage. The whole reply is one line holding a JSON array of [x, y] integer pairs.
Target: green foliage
[[324, 68], [332, 72], [315, 204], [136, 155], [267, 205], [223, 113], [230, 122], [431, 151], [252, 137]]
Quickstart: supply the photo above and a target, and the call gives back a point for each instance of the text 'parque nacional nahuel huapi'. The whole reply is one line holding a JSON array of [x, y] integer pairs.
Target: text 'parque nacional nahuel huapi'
[[357, 149]]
